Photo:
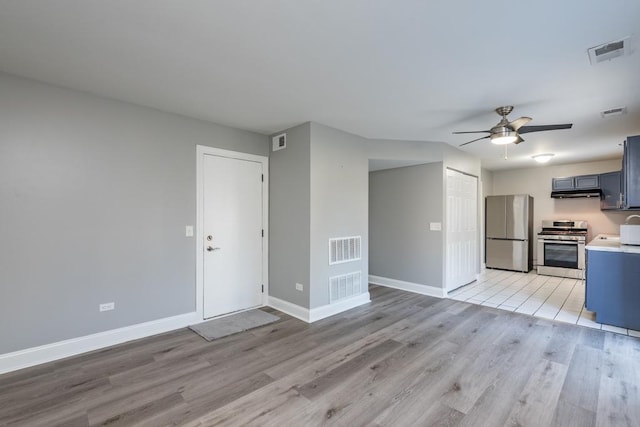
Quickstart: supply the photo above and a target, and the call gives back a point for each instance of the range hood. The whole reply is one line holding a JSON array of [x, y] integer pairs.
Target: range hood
[[572, 194]]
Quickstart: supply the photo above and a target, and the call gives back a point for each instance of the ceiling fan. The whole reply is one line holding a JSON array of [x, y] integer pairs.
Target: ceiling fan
[[506, 132]]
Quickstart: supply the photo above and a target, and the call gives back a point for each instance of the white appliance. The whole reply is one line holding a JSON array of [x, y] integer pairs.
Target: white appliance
[[630, 233]]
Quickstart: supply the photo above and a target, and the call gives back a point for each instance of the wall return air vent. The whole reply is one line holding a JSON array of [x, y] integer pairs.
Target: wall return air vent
[[609, 51], [344, 286], [345, 249]]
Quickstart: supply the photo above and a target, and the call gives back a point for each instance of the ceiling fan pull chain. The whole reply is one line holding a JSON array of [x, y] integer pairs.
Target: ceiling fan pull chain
[[505, 152]]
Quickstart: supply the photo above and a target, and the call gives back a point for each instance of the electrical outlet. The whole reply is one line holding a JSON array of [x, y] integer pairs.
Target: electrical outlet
[[299, 287], [107, 306], [188, 231]]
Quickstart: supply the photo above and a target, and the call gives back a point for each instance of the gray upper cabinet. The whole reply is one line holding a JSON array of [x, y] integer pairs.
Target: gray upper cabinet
[[587, 182], [581, 183], [562, 184], [611, 187], [631, 172]]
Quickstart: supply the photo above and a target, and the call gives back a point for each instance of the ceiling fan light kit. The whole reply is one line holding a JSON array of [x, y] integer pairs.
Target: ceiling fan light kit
[[504, 137], [542, 158]]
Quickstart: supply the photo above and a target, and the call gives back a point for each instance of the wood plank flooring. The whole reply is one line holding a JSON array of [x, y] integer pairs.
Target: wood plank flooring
[[403, 360]]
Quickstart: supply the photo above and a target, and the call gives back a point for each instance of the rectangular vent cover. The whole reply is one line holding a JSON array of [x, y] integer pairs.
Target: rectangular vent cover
[[344, 249], [617, 111], [279, 142], [344, 286], [609, 51]]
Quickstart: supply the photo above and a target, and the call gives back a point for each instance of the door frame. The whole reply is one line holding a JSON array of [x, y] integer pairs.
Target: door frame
[[201, 151]]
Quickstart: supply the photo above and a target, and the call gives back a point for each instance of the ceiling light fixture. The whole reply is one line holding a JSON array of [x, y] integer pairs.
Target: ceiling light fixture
[[504, 137], [542, 158]]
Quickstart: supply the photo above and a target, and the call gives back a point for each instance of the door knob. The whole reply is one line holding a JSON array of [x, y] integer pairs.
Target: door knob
[[210, 249]]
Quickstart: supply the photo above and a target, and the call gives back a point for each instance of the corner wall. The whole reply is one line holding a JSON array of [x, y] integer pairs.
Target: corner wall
[[289, 213], [339, 205]]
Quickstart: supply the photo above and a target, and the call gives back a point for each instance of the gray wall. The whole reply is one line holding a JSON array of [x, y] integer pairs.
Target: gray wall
[[402, 203], [486, 180], [339, 199], [289, 213], [94, 198]]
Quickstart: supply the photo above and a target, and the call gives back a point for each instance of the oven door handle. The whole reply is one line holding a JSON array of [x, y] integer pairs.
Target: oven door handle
[[563, 242]]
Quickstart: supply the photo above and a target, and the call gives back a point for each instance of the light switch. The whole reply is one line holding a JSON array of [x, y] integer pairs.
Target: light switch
[[188, 231], [435, 226]]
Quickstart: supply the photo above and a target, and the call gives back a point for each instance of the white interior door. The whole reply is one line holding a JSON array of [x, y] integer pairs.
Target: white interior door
[[232, 235], [462, 264]]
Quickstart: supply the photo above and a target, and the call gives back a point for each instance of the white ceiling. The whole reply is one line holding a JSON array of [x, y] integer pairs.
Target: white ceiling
[[397, 69]]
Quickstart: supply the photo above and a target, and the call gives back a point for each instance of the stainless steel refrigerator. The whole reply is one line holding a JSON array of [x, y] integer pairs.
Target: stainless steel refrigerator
[[509, 232]]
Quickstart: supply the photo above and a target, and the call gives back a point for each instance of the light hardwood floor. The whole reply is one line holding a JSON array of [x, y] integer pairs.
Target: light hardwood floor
[[403, 360]]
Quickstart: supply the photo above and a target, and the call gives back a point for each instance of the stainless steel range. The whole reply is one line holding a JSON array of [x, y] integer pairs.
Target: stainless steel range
[[561, 248]]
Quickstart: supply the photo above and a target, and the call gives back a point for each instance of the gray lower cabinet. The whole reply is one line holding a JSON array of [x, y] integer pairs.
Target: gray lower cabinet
[[613, 288]]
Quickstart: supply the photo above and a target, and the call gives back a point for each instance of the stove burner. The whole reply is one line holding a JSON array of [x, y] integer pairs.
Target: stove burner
[[564, 229]]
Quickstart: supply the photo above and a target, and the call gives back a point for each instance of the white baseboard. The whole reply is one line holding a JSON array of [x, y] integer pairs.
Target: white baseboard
[[417, 288], [338, 306], [71, 347], [289, 308], [318, 313]]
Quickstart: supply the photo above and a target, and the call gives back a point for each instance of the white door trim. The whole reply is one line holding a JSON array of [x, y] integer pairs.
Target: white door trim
[[201, 151]]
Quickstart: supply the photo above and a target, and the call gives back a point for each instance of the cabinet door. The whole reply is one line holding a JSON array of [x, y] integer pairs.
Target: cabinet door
[[586, 182], [562, 184], [613, 293], [611, 187], [632, 172]]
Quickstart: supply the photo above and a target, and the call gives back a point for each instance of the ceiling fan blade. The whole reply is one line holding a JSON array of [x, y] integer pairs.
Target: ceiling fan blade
[[518, 123], [478, 139], [473, 131], [519, 140], [540, 128]]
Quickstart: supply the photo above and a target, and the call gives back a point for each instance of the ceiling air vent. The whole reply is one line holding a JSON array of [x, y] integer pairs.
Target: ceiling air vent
[[609, 51], [617, 111]]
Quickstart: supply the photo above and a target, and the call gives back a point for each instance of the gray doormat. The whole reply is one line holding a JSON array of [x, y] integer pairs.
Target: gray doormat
[[218, 328]]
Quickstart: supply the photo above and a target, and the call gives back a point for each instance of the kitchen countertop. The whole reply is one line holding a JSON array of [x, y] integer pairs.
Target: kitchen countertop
[[611, 243]]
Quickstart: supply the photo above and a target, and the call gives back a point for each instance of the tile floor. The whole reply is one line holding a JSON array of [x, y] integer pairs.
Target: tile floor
[[549, 297]]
